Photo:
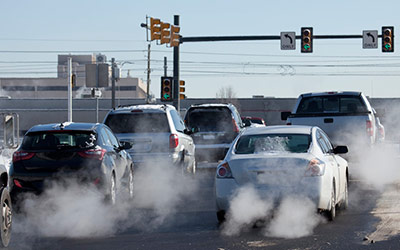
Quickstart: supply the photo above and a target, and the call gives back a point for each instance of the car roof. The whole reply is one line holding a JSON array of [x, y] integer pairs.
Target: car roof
[[145, 108], [78, 126], [279, 129], [211, 105], [353, 93]]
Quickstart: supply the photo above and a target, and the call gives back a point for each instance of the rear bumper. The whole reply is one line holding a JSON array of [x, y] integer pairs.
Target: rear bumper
[[211, 152], [165, 158], [310, 187]]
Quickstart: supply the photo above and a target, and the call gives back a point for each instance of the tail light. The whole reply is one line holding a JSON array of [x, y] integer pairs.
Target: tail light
[[370, 131], [235, 126], [315, 168], [289, 123], [17, 183], [22, 155], [224, 171], [173, 141], [97, 153]]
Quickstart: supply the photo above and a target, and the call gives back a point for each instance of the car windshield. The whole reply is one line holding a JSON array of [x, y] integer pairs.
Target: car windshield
[[210, 119], [138, 123], [336, 104], [57, 140], [271, 143]]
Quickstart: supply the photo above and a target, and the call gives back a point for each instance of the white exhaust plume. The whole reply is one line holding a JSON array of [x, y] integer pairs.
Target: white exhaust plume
[[246, 207], [296, 217]]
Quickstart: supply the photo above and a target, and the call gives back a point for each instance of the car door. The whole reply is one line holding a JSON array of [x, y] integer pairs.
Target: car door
[[330, 157], [119, 159], [186, 140]]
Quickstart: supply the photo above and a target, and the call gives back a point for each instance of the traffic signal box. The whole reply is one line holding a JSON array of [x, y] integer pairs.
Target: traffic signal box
[[166, 88], [175, 37], [155, 29], [165, 33], [387, 39], [182, 90], [306, 40]]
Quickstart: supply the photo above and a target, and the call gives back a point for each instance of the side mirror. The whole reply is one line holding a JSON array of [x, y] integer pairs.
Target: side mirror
[[195, 130], [285, 115], [187, 131], [340, 150], [125, 145]]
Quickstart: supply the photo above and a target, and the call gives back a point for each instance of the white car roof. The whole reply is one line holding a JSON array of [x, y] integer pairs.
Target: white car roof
[[354, 93], [145, 108], [280, 129]]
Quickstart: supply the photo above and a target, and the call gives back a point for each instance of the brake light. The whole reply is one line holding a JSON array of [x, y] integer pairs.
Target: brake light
[[173, 141], [235, 126], [224, 171], [17, 183], [370, 131], [97, 153], [315, 168], [22, 155]]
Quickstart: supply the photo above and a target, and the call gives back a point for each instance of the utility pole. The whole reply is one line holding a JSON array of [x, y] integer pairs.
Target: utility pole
[[148, 73], [177, 102], [113, 83], [165, 66], [69, 89]]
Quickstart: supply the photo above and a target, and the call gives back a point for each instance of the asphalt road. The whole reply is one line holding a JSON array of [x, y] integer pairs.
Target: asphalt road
[[372, 221]]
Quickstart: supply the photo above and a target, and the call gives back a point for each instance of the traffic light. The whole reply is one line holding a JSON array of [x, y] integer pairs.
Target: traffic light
[[306, 40], [166, 88], [387, 39], [182, 90], [165, 33], [175, 37], [155, 29]]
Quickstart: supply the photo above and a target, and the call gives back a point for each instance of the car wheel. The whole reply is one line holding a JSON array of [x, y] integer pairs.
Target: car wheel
[[332, 210], [6, 217], [112, 196], [345, 203], [221, 216], [130, 182]]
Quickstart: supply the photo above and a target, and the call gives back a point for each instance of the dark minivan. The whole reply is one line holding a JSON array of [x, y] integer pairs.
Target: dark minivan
[[214, 127]]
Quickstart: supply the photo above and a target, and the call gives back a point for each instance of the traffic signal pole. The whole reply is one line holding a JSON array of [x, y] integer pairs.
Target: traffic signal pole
[[176, 100]]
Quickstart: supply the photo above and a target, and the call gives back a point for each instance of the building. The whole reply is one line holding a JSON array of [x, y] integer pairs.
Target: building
[[46, 87]]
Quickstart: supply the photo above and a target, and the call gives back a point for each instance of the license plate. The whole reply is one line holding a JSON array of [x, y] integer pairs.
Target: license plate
[[208, 137]]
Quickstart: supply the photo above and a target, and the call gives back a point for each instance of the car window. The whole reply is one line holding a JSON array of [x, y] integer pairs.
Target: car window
[[138, 123], [209, 119], [105, 138], [53, 140], [322, 144], [269, 143], [177, 120], [336, 104], [113, 139], [327, 142]]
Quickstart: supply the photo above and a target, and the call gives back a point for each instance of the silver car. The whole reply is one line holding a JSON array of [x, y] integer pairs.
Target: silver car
[[157, 133], [284, 160]]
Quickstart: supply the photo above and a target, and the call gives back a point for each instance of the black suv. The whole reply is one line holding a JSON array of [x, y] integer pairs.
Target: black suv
[[214, 127], [86, 152]]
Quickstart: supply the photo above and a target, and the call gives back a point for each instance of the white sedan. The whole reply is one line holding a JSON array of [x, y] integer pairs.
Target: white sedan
[[284, 160]]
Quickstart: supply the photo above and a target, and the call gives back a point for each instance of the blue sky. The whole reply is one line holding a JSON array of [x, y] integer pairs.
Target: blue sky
[[250, 67]]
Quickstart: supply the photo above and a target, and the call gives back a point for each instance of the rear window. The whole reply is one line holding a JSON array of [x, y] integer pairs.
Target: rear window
[[209, 119], [138, 123], [272, 143], [54, 140], [332, 104]]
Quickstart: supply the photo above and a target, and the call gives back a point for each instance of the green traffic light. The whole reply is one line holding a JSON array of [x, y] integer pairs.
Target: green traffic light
[[166, 96], [306, 47], [387, 46]]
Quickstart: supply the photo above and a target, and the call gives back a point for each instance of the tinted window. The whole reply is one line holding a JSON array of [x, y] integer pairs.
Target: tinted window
[[336, 103], [113, 139], [210, 119], [138, 123], [253, 144], [179, 125], [53, 140]]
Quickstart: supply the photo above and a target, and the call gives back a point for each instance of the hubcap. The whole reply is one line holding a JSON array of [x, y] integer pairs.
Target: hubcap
[[113, 191], [7, 217]]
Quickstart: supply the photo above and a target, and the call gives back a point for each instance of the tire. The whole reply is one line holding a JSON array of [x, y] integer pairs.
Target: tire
[[112, 191], [221, 216], [6, 217], [345, 202], [331, 213], [130, 183]]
